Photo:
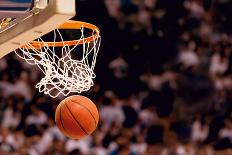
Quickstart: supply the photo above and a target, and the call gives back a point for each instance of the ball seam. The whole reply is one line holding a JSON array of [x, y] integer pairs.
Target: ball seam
[[76, 120], [62, 124], [87, 110]]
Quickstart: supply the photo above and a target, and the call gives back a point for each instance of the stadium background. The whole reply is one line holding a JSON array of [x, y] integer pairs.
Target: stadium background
[[163, 84]]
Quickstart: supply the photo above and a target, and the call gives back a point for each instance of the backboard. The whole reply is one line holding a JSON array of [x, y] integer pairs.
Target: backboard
[[14, 8], [31, 19]]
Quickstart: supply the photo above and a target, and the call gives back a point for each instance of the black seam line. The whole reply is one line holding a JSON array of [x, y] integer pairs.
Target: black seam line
[[62, 122], [76, 120], [87, 110]]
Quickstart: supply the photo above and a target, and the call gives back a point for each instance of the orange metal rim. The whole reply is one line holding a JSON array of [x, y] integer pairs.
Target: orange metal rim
[[70, 24]]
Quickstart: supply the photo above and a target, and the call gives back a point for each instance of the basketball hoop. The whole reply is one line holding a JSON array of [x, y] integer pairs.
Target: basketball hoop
[[57, 59]]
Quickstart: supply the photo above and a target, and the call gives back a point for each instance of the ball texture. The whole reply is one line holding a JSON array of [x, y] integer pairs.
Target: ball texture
[[76, 116]]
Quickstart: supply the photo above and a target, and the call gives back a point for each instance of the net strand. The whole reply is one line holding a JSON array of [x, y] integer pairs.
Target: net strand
[[63, 74]]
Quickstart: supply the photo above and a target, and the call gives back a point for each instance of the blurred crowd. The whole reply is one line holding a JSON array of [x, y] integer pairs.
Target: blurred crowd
[[163, 84]]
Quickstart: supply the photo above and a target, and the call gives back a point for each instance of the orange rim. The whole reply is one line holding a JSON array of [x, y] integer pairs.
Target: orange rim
[[70, 24]]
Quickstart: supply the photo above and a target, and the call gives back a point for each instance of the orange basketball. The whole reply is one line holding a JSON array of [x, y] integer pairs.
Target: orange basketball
[[76, 116]]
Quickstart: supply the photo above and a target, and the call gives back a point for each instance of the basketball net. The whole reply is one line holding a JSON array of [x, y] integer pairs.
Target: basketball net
[[63, 74]]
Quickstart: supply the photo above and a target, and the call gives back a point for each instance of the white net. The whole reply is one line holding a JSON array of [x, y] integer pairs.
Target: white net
[[64, 72]]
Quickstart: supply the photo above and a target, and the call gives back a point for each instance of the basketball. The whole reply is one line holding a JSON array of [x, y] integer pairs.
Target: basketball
[[76, 117]]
